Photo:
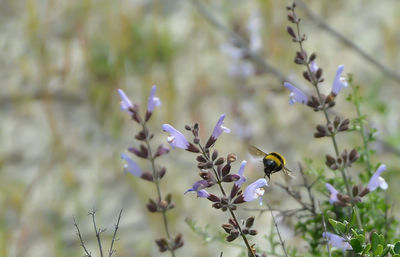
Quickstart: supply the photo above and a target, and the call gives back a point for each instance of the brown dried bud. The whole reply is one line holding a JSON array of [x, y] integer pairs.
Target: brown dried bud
[[318, 74], [211, 140], [364, 192], [330, 128], [355, 190], [245, 231], [250, 222], [344, 155], [252, 232], [163, 204], [200, 158], [226, 169], [161, 150], [231, 237], [187, 127], [217, 205], [343, 198], [162, 172], [291, 31], [205, 175], [213, 198], [220, 161], [136, 152], [330, 159], [230, 178], [141, 135], [147, 176], [162, 244], [231, 158], [214, 155], [239, 199], [321, 129], [353, 155], [151, 206], [336, 121], [307, 76], [235, 189], [313, 56], [178, 242], [196, 140], [227, 227], [344, 125], [192, 148], [291, 18]]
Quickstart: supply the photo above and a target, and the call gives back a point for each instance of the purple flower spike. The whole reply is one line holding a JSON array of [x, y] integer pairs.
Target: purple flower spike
[[337, 241], [255, 190], [240, 173], [376, 180], [296, 94], [333, 196], [340, 82], [198, 187], [153, 100], [219, 128], [176, 138], [126, 104], [131, 166]]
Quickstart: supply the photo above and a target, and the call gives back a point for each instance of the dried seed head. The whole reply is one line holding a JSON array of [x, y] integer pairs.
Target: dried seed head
[[252, 232], [355, 190], [213, 198], [200, 158], [187, 127], [151, 206], [147, 176], [307, 76], [162, 244], [336, 121], [364, 192], [313, 56], [343, 198], [353, 155], [318, 74], [290, 30]]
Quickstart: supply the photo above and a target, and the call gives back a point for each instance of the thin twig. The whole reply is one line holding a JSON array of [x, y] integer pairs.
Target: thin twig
[[296, 196], [241, 42], [78, 232], [324, 224], [277, 229], [111, 251], [308, 187], [324, 25], [97, 231]]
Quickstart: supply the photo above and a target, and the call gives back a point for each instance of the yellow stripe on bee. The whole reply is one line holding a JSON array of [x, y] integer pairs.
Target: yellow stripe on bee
[[279, 156], [274, 158]]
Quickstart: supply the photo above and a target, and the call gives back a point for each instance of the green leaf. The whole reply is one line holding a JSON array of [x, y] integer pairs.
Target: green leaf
[[385, 252], [378, 250], [374, 241], [366, 249], [339, 227], [381, 239], [396, 255], [356, 245], [397, 247]]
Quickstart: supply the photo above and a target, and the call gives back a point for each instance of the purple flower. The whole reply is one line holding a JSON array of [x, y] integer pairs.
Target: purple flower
[[126, 104], [340, 82], [376, 180], [296, 94], [176, 138], [333, 196], [240, 173], [198, 187], [153, 101], [337, 241], [255, 190], [313, 66], [131, 166], [219, 128]]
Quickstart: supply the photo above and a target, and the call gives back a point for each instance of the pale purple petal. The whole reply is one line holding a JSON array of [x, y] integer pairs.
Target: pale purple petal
[[339, 82], [337, 241], [296, 94], [131, 166], [255, 190], [219, 128], [240, 173], [313, 66], [176, 138], [198, 187], [376, 179], [333, 196], [126, 103], [153, 101], [232, 51]]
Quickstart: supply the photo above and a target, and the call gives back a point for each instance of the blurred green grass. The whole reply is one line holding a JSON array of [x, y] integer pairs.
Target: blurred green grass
[[61, 129]]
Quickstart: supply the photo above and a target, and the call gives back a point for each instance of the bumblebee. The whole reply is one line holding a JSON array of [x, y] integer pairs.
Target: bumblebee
[[273, 162]]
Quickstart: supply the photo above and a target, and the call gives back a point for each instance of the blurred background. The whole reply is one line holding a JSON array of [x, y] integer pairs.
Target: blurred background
[[62, 132]]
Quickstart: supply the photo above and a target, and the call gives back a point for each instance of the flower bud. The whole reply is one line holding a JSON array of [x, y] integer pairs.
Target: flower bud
[[231, 157], [250, 222]]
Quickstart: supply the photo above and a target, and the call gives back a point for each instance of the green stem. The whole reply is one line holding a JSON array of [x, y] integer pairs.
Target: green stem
[[156, 181]]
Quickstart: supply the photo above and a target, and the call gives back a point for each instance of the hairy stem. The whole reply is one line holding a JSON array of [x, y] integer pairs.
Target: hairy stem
[[277, 229]]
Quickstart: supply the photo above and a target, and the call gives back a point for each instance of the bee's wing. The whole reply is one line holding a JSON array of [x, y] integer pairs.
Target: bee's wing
[[255, 152], [288, 172]]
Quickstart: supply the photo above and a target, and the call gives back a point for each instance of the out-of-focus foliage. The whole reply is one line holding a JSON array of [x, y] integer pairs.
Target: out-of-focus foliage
[[61, 130]]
